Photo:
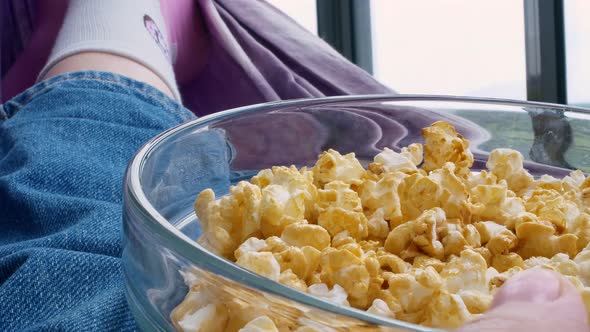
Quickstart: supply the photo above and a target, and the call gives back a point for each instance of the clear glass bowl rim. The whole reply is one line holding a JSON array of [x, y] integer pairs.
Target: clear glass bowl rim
[[175, 240]]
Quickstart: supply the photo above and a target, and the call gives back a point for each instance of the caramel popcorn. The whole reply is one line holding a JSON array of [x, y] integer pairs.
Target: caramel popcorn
[[260, 324], [443, 145], [417, 236]]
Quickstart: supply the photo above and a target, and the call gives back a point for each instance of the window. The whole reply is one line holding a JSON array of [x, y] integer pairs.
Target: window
[[451, 47], [577, 51], [461, 47], [302, 11]]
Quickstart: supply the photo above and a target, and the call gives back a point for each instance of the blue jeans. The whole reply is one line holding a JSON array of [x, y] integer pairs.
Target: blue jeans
[[64, 147]]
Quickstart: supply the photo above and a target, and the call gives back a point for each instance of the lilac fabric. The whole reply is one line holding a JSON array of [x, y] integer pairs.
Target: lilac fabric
[[258, 54]]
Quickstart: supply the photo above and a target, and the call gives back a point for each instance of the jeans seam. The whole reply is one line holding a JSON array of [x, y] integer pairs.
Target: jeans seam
[[91, 76]]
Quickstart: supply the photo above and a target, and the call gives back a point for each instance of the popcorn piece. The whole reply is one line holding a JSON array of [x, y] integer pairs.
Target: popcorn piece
[[379, 307], [241, 313], [371, 245], [560, 263], [302, 261], [275, 244], [338, 194], [506, 164], [549, 205], [447, 311], [537, 261], [194, 300], [580, 227], [455, 193], [342, 239], [575, 282], [423, 261], [575, 188], [428, 277], [279, 208], [482, 177], [497, 238], [293, 181], [355, 280], [582, 259], [376, 285], [392, 263], [332, 166], [290, 279], [443, 145], [340, 210], [499, 280], [312, 259], [573, 181], [485, 253], [420, 233], [504, 262], [414, 152], [301, 235], [253, 244], [336, 220], [260, 324], [288, 196], [337, 295], [341, 267], [466, 272], [371, 263], [314, 279], [536, 239], [495, 203], [419, 193], [454, 242], [392, 161], [228, 221], [549, 182], [212, 317], [585, 292], [392, 302], [412, 295], [311, 329], [472, 236], [263, 263], [476, 302], [383, 195], [564, 265], [412, 317], [378, 226]]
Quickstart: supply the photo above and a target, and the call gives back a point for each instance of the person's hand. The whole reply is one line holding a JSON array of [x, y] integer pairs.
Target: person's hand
[[535, 300]]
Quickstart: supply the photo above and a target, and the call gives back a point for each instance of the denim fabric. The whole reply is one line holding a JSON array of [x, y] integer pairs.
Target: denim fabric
[[64, 147]]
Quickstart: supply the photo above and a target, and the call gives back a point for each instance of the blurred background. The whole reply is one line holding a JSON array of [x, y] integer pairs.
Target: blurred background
[[517, 49]]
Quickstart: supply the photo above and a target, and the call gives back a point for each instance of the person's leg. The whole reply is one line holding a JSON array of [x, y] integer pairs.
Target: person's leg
[[189, 43], [109, 63], [64, 147], [124, 37]]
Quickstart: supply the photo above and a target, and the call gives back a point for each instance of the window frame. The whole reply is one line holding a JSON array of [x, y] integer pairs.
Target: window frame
[[545, 51], [346, 26]]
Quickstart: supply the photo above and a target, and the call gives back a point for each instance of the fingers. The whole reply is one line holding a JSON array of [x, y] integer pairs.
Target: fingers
[[531, 286], [535, 300]]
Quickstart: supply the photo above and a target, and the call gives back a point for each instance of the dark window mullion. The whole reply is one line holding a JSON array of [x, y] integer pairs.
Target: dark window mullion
[[346, 25], [545, 51]]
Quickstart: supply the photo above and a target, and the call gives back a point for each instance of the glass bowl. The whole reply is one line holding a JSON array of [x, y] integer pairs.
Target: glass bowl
[[221, 149]]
